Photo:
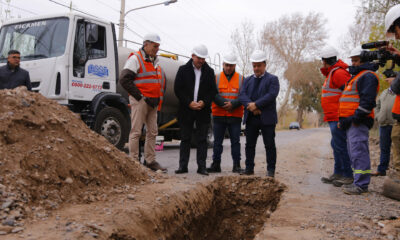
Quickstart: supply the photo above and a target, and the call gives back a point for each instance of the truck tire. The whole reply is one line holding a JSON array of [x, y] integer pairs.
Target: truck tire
[[111, 123]]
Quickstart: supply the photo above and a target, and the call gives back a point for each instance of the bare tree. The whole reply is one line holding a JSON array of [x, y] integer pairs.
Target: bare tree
[[294, 38], [357, 34], [306, 95], [242, 39]]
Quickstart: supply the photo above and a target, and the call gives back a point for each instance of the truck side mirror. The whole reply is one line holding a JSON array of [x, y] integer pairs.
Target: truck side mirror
[[92, 33]]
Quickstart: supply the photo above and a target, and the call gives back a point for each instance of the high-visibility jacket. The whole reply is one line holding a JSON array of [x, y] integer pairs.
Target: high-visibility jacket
[[350, 99], [150, 80], [331, 93], [396, 108], [228, 90]]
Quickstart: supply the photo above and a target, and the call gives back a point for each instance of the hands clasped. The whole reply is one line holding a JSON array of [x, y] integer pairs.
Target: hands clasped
[[196, 105], [252, 107]]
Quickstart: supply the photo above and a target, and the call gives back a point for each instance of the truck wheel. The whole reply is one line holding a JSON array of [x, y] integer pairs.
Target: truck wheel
[[111, 124]]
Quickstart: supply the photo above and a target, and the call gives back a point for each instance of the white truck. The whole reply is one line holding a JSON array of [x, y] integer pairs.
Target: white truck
[[74, 59]]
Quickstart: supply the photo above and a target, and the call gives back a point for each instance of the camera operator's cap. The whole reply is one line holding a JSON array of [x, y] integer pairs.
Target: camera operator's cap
[[230, 58], [152, 37], [200, 51], [328, 52], [390, 17], [356, 52], [258, 56]]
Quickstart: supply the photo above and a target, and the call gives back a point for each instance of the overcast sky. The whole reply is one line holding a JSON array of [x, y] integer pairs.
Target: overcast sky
[[183, 24]]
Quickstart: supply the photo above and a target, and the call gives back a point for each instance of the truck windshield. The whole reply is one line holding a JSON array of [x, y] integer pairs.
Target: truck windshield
[[37, 39]]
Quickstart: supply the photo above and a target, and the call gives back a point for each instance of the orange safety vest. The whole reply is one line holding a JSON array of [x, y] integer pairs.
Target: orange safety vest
[[396, 108], [330, 98], [350, 99], [228, 90], [150, 80]]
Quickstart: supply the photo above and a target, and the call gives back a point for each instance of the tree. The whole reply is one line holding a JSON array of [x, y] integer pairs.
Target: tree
[[306, 86], [242, 39], [294, 38], [373, 13]]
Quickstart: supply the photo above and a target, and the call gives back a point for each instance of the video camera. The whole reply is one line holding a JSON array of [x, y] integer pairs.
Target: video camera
[[382, 55]]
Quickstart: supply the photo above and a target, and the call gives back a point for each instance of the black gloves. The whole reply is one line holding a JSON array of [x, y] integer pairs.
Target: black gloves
[[345, 123], [152, 102]]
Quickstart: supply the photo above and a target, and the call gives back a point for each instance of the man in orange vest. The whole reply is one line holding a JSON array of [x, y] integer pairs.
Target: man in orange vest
[[336, 76], [392, 27], [356, 117], [142, 78], [227, 113]]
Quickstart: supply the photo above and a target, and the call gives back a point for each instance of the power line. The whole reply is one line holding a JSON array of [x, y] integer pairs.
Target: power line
[[193, 14], [75, 9], [211, 17], [22, 9], [105, 4], [160, 30]]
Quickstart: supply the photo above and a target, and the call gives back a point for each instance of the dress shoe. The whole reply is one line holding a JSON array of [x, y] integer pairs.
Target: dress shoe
[[214, 168], [271, 174], [181, 170], [202, 171], [375, 174], [237, 169], [247, 172]]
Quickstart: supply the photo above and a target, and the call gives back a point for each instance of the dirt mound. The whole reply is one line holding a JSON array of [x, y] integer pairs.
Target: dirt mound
[[49, 156]]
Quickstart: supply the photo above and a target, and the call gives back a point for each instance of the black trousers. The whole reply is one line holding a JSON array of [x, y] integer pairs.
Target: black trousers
[[201, 131], [253, 128]]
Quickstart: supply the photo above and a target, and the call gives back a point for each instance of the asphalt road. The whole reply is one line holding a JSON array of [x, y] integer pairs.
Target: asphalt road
[[169, 157]]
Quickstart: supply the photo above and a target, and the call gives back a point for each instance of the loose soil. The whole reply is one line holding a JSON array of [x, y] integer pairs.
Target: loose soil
[[60, 180]]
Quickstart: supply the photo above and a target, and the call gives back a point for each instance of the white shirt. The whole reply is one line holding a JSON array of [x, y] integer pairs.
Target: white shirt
[[197, 74]]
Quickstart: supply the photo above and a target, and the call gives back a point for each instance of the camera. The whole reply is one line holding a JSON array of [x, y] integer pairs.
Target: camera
[[381, 55]]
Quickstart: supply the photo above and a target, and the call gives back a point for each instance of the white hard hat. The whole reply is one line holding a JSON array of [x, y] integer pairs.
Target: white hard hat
[[328, 52], [230, 59], [356, 52], [152, 37], [200, 51], [391, 16], [258, 56]]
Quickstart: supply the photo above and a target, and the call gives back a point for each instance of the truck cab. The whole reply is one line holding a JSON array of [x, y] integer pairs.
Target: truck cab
[[72, 58]]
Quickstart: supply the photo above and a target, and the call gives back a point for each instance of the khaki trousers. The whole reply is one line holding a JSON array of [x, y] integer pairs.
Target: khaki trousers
[[141, 113], [396, 149]]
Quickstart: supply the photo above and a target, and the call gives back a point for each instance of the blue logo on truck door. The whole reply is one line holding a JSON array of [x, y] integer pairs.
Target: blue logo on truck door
[[101, 71]]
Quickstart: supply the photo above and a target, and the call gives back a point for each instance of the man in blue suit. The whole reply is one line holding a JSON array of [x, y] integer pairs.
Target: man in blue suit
[[258, 96]]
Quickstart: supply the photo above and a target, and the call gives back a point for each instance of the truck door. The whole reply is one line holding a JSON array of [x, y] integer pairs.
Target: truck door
[[93, 66]]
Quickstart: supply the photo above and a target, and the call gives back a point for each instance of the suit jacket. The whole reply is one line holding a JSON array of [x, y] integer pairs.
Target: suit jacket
[[184, 91], [268, 90]]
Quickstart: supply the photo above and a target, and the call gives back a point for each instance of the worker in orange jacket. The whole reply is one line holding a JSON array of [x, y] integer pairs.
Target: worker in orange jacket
[[356, 117], [392, 27], [227, 112], [336, 75], [144, 80]]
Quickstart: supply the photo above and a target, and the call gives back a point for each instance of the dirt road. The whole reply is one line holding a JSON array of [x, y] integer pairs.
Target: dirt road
[[309, 209], [60, 180]]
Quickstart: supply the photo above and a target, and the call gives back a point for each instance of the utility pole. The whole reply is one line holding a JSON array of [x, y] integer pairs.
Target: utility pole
[[121, 24]]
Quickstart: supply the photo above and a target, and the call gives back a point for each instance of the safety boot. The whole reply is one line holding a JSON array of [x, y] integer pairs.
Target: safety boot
[[331, 178], [354, 190], [342, 181]]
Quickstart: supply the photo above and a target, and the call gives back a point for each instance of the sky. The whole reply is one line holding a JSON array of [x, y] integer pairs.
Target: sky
[[183, 24]]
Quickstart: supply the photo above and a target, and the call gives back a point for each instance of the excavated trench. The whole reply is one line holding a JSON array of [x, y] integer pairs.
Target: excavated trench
[[227, 208]]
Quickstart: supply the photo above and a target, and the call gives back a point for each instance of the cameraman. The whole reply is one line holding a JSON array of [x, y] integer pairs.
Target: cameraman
[[356, 117], [392, 27]]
